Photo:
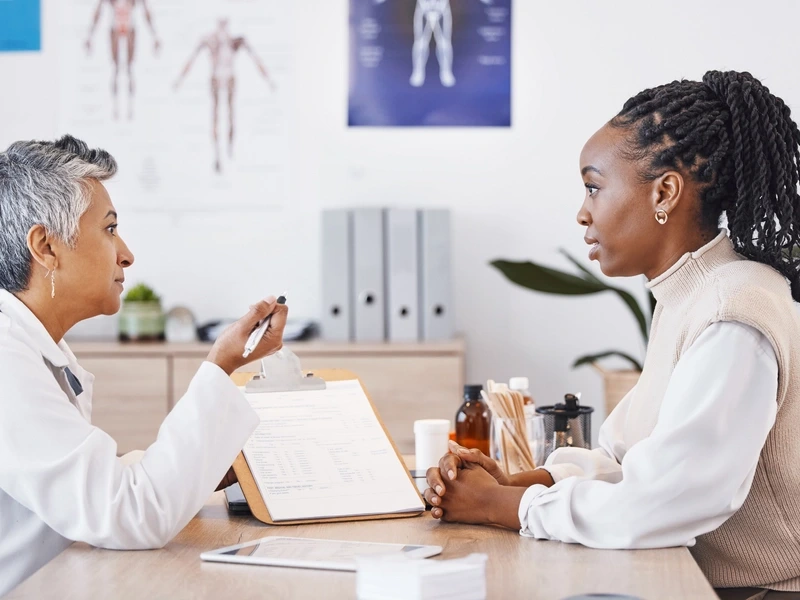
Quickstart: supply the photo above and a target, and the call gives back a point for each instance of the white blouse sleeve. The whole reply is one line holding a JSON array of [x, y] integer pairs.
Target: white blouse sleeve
[[66, 471], [695, 469]]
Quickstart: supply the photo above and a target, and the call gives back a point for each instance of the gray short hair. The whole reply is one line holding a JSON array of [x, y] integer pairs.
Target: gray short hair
[[44, 183]]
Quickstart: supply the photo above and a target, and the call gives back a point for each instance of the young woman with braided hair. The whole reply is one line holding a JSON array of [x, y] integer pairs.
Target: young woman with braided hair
[[704, 451]]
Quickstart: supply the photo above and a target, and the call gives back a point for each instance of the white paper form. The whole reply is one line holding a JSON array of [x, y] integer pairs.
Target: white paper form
[[323, 453]]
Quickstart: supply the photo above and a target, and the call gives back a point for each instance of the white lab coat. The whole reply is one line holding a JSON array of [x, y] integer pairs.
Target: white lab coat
[[60, 477]]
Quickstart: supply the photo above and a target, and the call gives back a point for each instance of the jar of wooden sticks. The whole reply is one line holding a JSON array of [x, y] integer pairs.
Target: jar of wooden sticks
[[516, 440]]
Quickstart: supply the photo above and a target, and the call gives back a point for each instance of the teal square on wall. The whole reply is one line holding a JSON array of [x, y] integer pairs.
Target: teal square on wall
[[20, 26]]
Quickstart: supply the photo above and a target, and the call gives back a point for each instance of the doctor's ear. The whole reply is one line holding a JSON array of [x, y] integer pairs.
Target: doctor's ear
[[41, 246]]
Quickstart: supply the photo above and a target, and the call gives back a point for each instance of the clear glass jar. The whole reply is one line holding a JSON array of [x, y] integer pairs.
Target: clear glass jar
[[505, 441]]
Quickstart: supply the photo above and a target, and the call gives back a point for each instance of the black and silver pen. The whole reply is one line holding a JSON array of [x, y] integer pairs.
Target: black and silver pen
[[260, 330]]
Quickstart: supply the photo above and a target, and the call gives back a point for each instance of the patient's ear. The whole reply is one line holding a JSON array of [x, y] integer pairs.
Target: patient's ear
[[668, 191], [40, 245]]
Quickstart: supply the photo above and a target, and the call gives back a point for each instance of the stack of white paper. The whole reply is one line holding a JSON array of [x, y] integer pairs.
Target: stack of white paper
[[387, 578], [324, 453]]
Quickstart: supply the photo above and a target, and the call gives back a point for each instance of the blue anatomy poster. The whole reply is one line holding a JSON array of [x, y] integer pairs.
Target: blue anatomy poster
[[20, 25], [430, 62]]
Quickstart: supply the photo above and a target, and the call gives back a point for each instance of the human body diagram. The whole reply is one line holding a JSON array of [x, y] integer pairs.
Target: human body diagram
[[123, 36], [223, 48], [432, 19]]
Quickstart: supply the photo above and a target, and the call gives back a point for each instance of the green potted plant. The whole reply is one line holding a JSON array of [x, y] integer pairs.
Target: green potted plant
[[617, 382], [141, 317]]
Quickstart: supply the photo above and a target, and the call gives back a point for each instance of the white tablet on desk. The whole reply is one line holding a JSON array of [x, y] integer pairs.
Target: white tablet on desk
[[309, 553]]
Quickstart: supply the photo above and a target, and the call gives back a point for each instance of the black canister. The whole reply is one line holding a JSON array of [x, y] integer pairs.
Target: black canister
[[567, 424]]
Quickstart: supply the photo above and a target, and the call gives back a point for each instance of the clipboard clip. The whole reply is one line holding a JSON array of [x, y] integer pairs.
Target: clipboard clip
[[281, 372]]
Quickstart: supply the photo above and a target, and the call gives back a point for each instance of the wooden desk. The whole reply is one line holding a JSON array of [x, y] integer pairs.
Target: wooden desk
[[518, 567]]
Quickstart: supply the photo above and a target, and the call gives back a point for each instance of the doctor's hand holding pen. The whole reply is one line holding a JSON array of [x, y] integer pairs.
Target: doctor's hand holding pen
[[260, 330], [257, 334]]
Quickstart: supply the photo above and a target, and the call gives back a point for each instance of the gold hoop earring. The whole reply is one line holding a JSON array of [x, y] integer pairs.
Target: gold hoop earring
[[661, 216]]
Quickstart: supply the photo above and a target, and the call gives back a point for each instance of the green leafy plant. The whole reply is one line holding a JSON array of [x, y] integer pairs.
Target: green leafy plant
[[141, 293], [552, 281]]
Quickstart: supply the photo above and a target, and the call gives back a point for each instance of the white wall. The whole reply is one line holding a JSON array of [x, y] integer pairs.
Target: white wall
[[514, 192]]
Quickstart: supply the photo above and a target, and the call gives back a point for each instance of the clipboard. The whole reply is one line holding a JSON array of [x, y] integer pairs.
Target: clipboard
[[245, 476]]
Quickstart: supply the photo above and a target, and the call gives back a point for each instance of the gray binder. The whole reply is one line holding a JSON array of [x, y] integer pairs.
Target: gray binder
[[368, 281], [435, 292], [402, 279], [337, 277]]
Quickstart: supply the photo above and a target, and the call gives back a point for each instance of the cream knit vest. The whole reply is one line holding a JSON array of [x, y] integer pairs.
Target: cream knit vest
[[760, 545]]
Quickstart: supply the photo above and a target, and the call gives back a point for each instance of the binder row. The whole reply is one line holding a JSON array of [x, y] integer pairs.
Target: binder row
[[386, 275]]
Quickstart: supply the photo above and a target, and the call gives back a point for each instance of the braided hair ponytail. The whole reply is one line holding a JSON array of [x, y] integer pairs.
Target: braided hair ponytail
[[731, 134]]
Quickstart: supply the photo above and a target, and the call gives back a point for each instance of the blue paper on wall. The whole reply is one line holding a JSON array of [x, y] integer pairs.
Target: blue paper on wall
[[20, 25], [430, 62]]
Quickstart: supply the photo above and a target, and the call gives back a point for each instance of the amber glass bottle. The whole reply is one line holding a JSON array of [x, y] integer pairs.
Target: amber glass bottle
[[473, 420]]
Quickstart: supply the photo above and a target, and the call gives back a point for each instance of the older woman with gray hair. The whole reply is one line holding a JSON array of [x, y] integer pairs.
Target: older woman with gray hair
[[62, 260]]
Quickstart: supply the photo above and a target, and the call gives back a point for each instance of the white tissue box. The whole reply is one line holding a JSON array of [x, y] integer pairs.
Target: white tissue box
[[403, 578]]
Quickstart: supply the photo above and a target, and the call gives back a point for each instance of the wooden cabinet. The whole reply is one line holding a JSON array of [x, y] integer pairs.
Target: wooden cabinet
[[130, 398], [137, 384]]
